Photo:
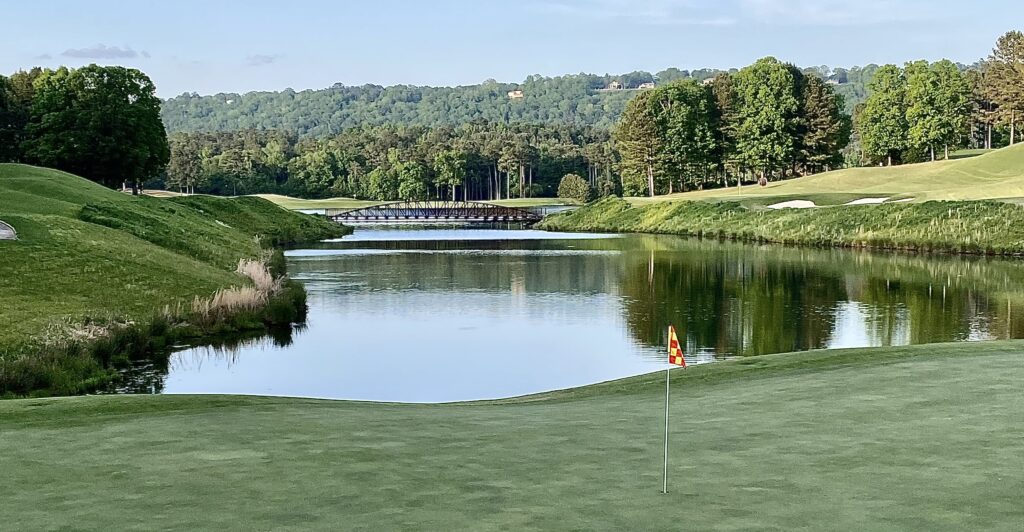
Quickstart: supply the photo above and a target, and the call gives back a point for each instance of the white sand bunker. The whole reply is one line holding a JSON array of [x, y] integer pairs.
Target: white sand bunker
[[904, 200], [794, 204], [868, 201], [7, 232]]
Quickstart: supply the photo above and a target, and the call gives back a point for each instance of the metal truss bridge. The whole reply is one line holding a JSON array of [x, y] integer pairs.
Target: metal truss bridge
[[434, 212]]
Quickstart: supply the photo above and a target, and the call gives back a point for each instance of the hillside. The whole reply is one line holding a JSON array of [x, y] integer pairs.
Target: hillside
[[578, 99], [87, 253], [997, 175]]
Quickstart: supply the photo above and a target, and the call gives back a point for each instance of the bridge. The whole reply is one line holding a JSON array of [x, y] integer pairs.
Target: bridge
[[434, 212]]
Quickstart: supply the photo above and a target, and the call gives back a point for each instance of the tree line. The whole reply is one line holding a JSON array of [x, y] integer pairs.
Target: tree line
[[475, 161], [920, 108], [769, 120]]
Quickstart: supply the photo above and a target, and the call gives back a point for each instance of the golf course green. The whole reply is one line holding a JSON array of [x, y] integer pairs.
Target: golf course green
[[915, 438]]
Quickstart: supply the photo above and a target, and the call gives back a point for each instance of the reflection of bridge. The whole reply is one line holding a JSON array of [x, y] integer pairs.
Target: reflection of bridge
[[434, 212]]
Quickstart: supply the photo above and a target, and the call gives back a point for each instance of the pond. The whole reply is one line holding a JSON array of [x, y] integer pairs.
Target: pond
[[432, 315]]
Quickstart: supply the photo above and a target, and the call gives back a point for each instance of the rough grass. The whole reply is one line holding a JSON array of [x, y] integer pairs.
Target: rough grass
[[980, 227], [915, 438], [994, 175], [87, 253]]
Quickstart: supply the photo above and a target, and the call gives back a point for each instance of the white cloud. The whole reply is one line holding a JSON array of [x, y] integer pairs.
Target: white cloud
[[260, 60], [101, 51]]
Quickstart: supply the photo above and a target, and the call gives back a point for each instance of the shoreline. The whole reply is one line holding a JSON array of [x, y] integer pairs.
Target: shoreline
[[978, 228]]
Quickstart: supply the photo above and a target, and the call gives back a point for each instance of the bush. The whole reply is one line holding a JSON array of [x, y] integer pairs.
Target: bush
[[576, 188]]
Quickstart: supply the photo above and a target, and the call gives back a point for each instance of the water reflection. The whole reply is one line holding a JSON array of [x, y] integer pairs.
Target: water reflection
[[442, 315]]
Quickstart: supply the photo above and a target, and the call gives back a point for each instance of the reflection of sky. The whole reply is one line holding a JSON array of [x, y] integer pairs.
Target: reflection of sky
[[857, 325], [430, 346]]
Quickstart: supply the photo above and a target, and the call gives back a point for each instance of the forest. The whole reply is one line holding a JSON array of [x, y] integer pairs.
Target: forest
[[578, 99]]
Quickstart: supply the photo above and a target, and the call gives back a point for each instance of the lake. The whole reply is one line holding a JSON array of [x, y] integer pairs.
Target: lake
[[432, 315]]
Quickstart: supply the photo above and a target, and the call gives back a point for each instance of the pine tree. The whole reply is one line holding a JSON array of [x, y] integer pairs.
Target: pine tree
[[1004, 80]]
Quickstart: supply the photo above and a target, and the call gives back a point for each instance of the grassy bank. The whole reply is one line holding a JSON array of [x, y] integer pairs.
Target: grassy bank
[[982, 227], [88, 255], [996, 175], [917, 438]]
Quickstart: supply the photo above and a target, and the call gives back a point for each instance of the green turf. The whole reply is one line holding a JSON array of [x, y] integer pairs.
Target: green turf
[[994, 175], [918, 438], [87, 251]]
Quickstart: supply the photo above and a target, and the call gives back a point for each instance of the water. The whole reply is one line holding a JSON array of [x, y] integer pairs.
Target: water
[[462, 314]]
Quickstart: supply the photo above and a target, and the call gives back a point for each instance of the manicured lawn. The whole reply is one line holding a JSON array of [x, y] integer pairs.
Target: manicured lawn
[[993, 175], [919, 438], [85, 251]]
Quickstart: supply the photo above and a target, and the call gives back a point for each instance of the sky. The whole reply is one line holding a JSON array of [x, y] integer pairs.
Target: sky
[[215, 46]]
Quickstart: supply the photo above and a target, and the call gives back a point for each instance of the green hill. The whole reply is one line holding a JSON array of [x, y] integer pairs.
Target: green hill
[[85, 252], [995, 175]]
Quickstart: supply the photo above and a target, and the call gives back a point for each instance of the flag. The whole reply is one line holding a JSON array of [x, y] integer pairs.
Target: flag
[[675, 354]]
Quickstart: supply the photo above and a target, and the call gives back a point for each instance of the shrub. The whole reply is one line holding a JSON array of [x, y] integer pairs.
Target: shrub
[[576, 188]]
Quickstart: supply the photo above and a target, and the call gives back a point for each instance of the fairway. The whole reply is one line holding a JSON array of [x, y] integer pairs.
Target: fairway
[[994, 175], [920, 438]]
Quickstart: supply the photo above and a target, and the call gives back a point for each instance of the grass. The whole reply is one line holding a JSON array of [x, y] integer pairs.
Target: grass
[[913, 438], [993, 175], [980, 227], [87, 253]]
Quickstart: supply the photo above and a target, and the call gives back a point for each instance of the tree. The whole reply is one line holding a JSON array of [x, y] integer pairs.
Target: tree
[[726, 118], [9, 128], [450, 166], [938, 106], [576, 188], [185, 168], [685, 113], [767, 106], [882, 123], [1004, 80], [412, 181], [102, 123], [639, 143], [827, 129]]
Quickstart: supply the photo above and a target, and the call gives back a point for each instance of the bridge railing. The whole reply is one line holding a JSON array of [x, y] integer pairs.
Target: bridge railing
[[454, 211]]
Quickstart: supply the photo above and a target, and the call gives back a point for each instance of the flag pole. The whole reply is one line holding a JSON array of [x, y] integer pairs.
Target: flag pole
[[665, 470]]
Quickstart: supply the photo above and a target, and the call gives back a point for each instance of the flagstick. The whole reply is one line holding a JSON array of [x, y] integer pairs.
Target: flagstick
[[665, 473]]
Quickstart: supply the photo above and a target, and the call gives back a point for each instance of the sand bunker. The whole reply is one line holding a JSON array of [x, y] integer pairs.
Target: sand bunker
[[794, 204], [7, 232], [868, 201]]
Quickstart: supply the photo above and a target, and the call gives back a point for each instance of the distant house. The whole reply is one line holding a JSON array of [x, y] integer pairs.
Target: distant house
[[833, 82], [647, 85], [515, 95], [615, 86], [708, 81]]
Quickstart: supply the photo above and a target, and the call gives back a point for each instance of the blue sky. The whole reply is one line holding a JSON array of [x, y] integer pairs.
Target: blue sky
[[235, 46]]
